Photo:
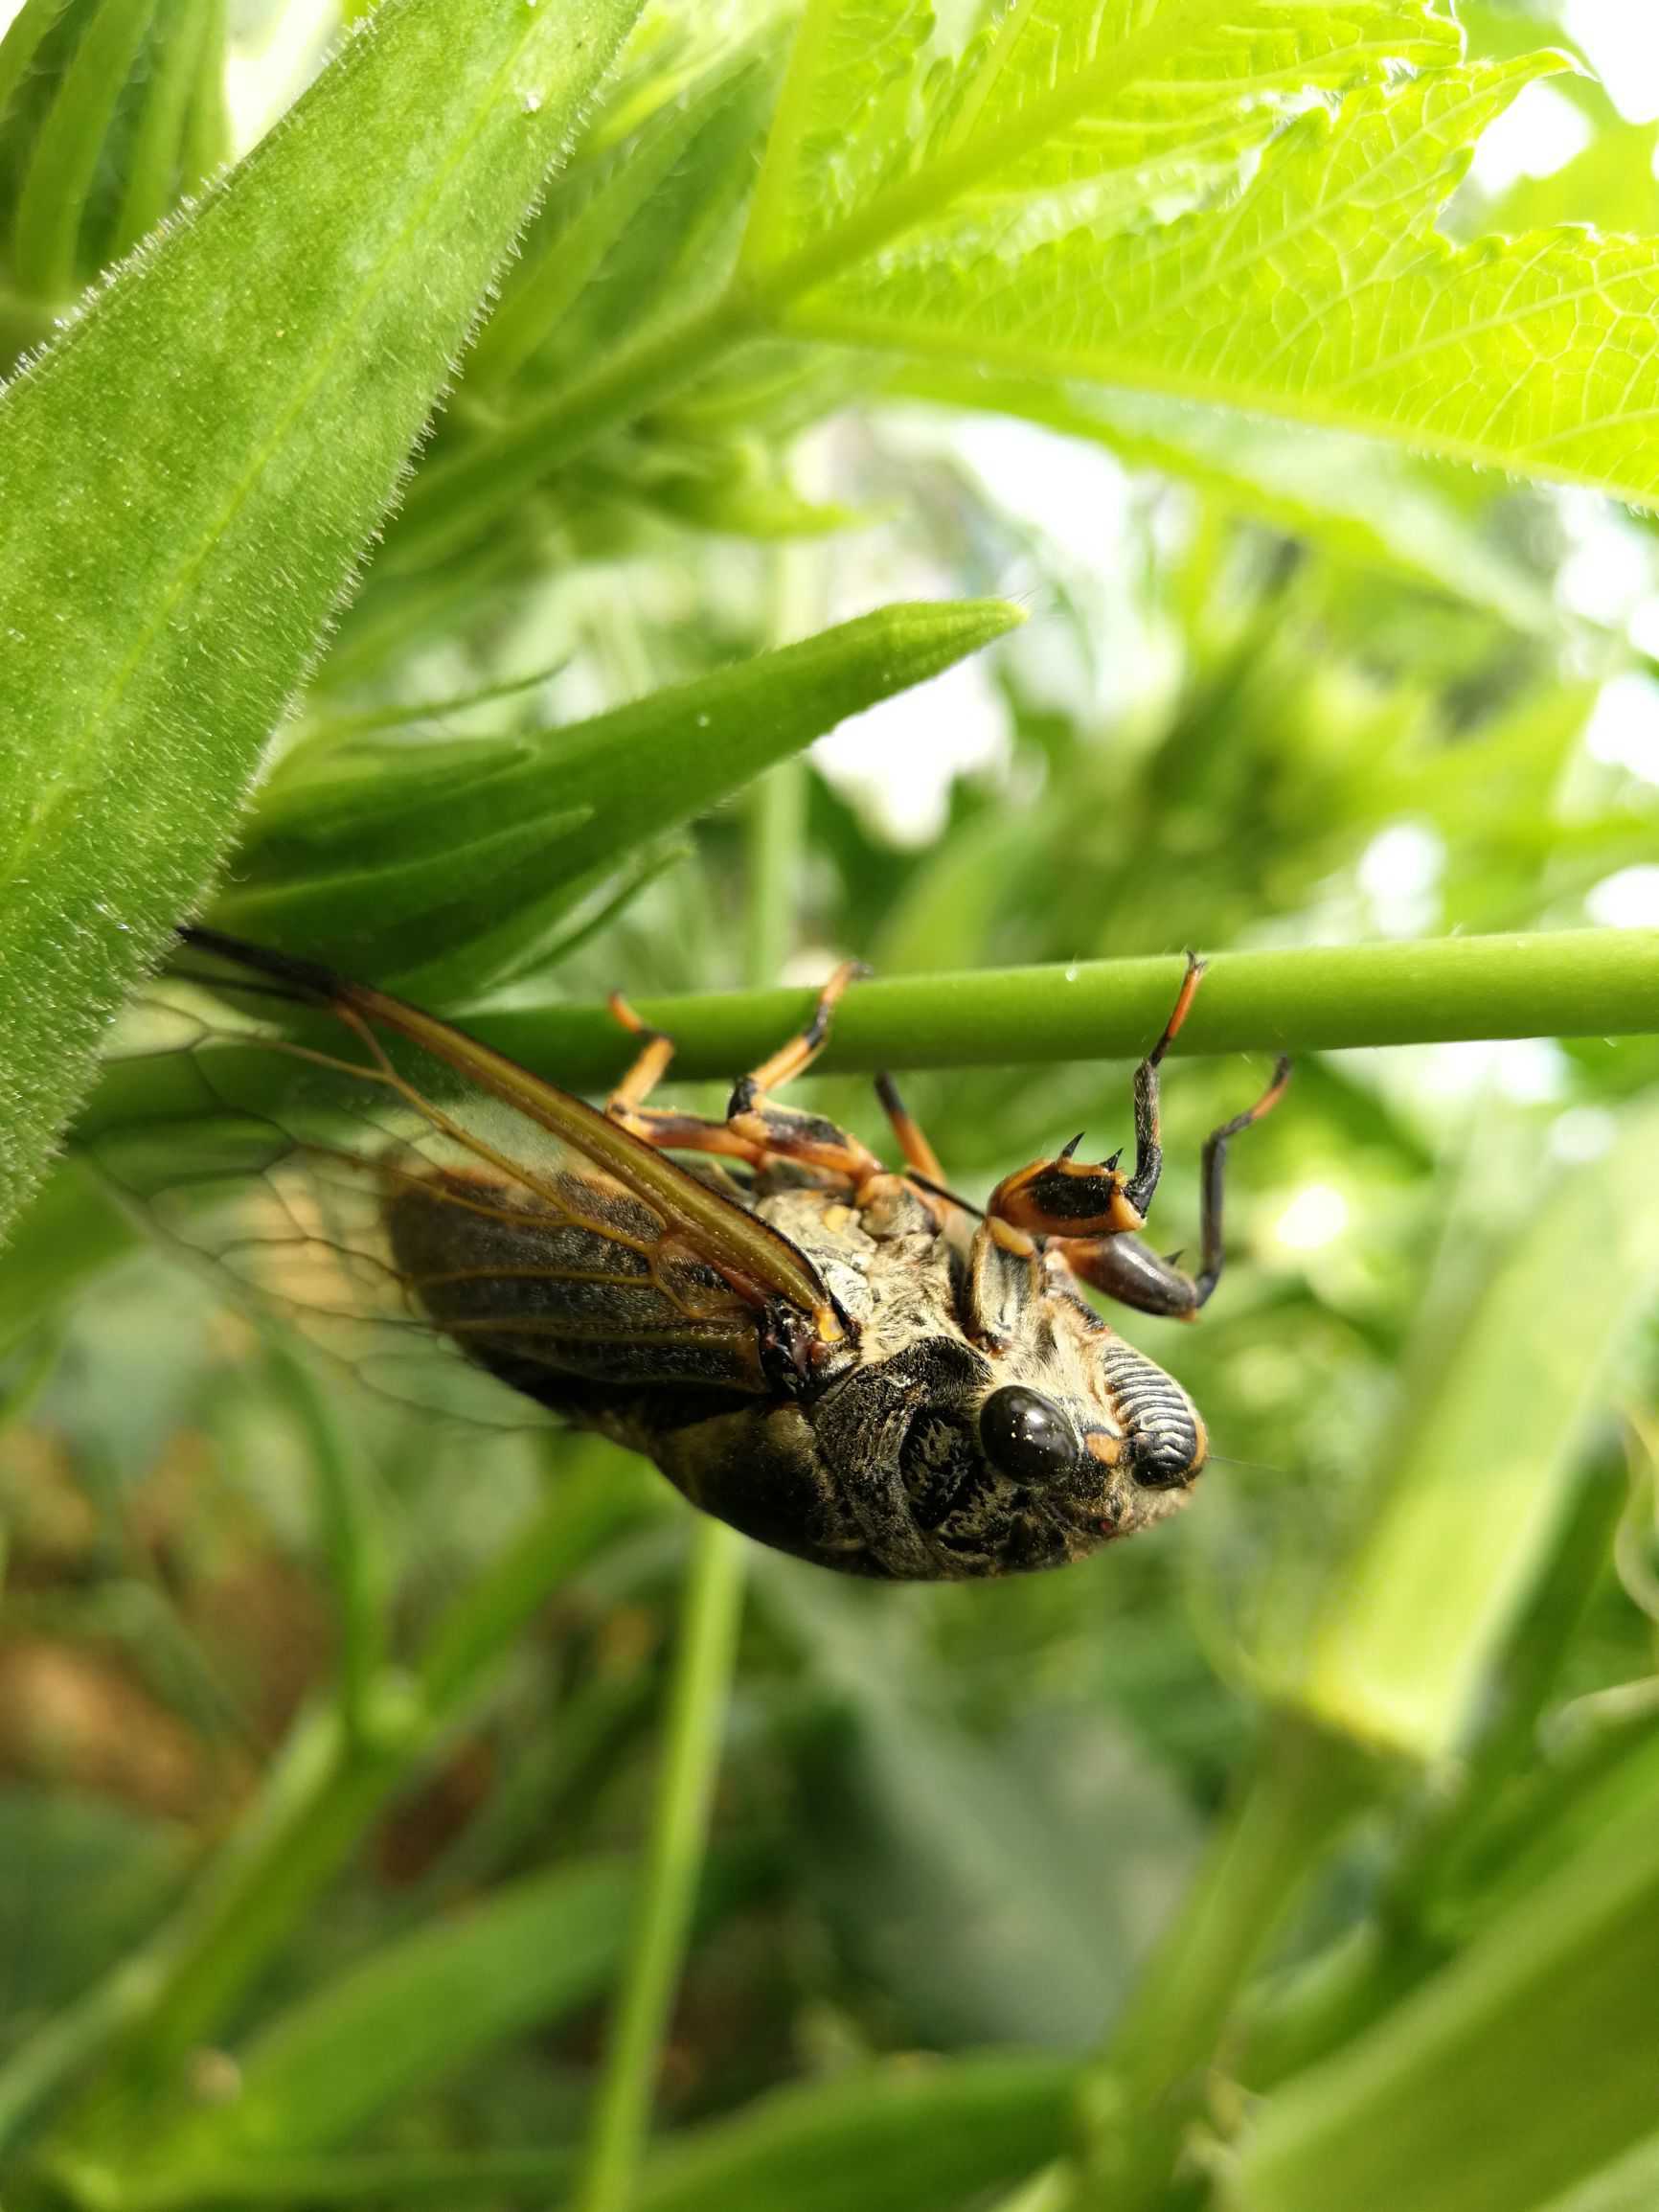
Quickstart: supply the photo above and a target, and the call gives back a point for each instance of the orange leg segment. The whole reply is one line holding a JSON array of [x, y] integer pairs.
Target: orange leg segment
[[754, 1131]]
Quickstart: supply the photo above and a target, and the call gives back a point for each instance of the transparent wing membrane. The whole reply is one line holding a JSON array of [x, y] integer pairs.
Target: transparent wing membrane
[[363, 1185]]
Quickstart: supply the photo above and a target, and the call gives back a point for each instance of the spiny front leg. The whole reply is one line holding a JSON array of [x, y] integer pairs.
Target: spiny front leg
[[1128, 1270], [1068, 1197], [1148, 1126]]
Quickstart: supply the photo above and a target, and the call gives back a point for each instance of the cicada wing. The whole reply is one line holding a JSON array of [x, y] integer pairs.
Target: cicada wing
[[357, 1176]]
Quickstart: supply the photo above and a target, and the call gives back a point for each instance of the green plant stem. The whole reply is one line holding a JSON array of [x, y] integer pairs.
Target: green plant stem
[[777, 825], [703, 1669], [1306, 1786], [695, 1726], [1570, 983], [346, 1535]]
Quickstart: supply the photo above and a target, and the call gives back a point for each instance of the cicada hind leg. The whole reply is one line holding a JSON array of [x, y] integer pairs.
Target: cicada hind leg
[[756, 1130], [1091, 1215]]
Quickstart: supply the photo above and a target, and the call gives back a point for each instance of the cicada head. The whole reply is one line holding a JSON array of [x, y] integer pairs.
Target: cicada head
[[956, 1444], [1061, 1435]]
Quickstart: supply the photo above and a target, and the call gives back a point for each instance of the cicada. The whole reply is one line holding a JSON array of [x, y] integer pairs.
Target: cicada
[[838, 1357]]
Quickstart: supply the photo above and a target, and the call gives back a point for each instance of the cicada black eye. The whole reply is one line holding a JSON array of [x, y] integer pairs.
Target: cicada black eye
[[1027, 1437]]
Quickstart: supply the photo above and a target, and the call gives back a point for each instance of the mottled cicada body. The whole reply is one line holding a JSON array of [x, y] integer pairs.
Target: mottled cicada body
[[840, 1360]]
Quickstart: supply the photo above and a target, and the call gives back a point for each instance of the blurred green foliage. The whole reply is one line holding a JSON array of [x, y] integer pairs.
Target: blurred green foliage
[[1306, 1856]]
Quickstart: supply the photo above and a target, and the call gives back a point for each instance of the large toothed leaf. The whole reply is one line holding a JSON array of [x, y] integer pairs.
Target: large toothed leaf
[[885, 145], [188, 478], [1053, 94], [1321, 292]]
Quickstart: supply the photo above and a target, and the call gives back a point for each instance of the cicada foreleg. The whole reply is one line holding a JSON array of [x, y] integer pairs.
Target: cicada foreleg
[[1090, 1214], [1130, 1271], [1074, 1198], [756, 1130]]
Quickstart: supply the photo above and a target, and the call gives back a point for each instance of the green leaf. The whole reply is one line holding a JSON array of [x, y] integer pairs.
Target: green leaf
[[851, 57], [406, 859], [416, 2010], [911, 2138], [1053, 95], [1527, 2062], [1321, 292], [113, 110], [188, 480], [182, 132], [573, 240], [1478, 1477]]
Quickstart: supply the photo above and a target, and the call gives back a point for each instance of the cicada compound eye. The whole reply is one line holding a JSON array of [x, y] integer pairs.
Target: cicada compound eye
[[1027, 1437]]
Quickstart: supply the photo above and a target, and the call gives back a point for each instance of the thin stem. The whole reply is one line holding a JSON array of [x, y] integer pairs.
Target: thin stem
[[701, 1687], [695, 1726], [1304, 1788], [1567, 983], [777, 822], [357, 1563]]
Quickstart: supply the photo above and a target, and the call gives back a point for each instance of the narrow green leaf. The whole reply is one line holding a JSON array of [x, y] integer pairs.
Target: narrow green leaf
[[24, 39], [1528, 2063], [412, 2012], [570, 255], [161, 165], [1477, 1480], [916, 2137], [188, 480], [65, 155], [405, 867], [207, 123]]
